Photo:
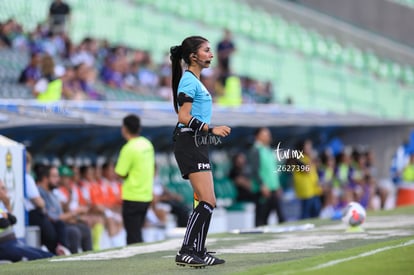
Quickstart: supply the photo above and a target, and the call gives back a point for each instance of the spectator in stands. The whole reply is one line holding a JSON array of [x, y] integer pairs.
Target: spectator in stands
[[59, 16], [11, 35], [35, 39], [248, 89], [240, 174], [114, 64], [131, 76], [85, 82], [12, 249], [114, 72], [164, 90], [306, 181], [102, 51], [265, 178], [147, 76], [19, 38], [31, 73], [5, 41], [225, 49], [49, 87], [53, 45], [85, 53], [70, 85], [264, 92], [53, 230], [66, 47]]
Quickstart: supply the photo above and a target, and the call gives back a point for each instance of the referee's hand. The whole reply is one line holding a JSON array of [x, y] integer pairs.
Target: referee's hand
[[222, 131]]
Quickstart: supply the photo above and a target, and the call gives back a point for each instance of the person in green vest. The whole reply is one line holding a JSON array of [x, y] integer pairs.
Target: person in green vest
[[135, 165], [49, 87], [266, 183]]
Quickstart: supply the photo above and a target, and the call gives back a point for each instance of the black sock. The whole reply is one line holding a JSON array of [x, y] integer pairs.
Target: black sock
[[202, 236], [197, 226]]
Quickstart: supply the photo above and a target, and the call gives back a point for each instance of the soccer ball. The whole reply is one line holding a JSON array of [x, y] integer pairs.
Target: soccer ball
[[354, 214]]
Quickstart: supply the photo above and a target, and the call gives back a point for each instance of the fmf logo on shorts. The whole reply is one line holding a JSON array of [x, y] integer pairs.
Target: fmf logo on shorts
[[203, 166]]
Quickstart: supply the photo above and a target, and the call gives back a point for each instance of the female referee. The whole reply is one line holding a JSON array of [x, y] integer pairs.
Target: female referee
[[193, 104]]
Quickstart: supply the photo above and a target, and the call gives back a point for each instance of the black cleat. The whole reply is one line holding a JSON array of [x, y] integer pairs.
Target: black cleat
[[189, 258], [210, 259]]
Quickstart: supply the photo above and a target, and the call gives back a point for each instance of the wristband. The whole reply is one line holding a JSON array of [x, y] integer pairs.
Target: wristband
[[210, 130], [196, 124]]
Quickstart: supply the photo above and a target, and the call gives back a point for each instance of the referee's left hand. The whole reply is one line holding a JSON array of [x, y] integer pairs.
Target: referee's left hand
[[222, 131]]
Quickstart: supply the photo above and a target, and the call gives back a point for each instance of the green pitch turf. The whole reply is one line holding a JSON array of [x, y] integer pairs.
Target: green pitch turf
[[385, 247]]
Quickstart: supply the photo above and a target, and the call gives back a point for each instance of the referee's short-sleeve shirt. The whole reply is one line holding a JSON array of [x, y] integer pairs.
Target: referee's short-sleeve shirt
[[202, 101]]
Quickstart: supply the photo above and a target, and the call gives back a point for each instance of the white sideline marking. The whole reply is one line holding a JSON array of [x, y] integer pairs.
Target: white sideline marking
[[377, 228], [125, 252], [365, 254]]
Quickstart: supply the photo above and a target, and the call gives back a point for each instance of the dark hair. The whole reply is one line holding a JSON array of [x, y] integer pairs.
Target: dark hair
[[324, 157], [189, 45], [107, 164], [83, 169], [258, 130], [42, 171], [300, 145], [132, 123]]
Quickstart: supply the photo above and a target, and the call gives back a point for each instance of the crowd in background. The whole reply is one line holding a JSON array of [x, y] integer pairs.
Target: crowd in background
[[84, 71], [324, 182]]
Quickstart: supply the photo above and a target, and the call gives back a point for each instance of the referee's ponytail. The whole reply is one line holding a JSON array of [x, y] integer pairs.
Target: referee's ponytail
[[188, 46], [177, 71]]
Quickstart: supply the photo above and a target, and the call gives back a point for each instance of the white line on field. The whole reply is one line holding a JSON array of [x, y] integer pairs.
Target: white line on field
[[124, 252], [362, 255], [365, 254]]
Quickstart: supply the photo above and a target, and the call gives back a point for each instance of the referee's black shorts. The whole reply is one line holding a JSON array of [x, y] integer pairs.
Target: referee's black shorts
[[191, 151]]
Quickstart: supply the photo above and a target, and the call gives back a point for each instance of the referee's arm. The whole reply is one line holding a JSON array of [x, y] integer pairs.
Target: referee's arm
[[184, 115]]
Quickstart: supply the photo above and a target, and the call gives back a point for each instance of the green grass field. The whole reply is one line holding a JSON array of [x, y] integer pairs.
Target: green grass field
[[385, 247]]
